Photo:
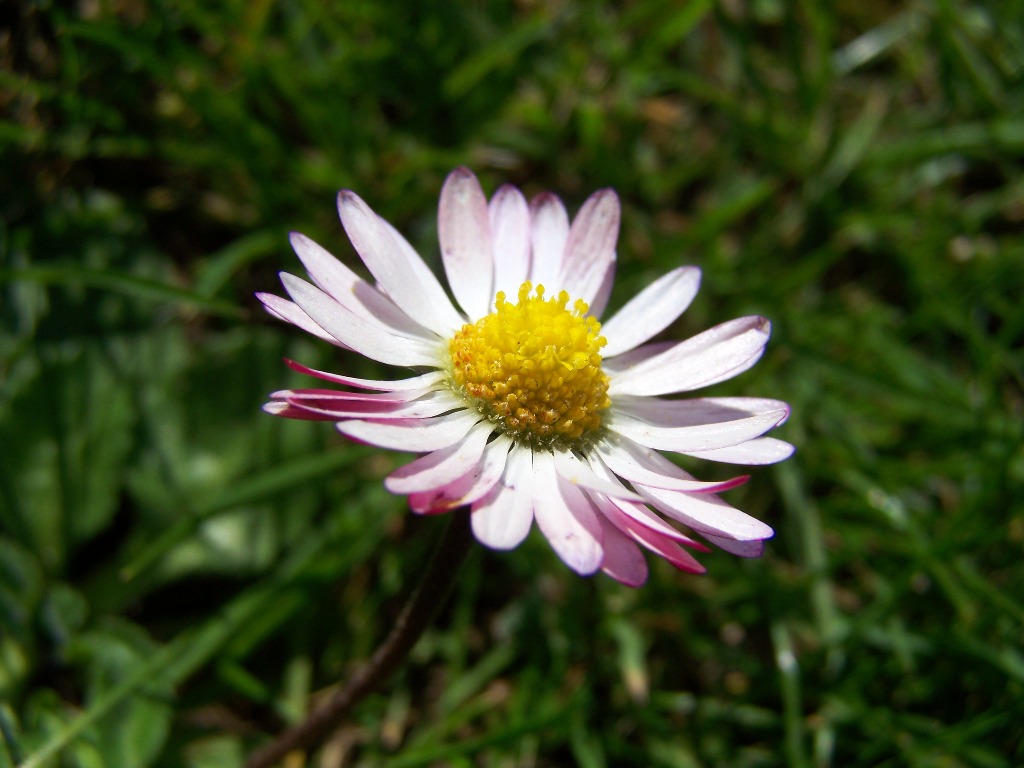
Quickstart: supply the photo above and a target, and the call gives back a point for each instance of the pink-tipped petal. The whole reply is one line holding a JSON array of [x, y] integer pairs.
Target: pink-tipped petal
[[495, 458], [715, 355], [424, 381], [510, 233], [566, 517], [367, 338], [469, 488], [638, 512], [707, 514], [763, 450], [549, 232], [287, 411], [336, 396], [590, 250], [300, 410], [660, 545], [400, 271], [623, 560], [340, 408], [465, 233], [650, 311], [414, 435], [638, 464], [643, 516], [289, 311], [502, 518], [442, 467]]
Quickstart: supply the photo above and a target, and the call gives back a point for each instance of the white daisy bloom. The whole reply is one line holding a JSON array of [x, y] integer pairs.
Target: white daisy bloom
[[525, 407]]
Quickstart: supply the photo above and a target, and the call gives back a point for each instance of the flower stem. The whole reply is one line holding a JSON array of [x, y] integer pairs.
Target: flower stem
[[415, 617]]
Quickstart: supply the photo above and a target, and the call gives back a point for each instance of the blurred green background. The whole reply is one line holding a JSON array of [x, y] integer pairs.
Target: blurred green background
[[181, 574]]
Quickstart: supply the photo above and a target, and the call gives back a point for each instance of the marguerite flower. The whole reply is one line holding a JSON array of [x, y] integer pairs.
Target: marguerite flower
[[527, 408]]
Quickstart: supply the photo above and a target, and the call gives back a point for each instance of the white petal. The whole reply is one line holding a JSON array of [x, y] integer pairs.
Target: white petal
[[604, 292], [615, 366], [415, 435], [763, 450], [697, 410], [708, 514], [566, 518], [396, 266], [464, 230], [510, 233], [738, 548], [751, 405], [352, 292], [574, 471], [623, 560], [448, 316], [590, 250], [502, 518], [440, 468], [359, 334], [715, 355], [289, 311], [699, 437], [423, 381], [549, 232], [636, 463], [650, 311]]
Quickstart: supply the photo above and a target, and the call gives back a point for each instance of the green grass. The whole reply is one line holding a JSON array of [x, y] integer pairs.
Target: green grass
[[180, 574]]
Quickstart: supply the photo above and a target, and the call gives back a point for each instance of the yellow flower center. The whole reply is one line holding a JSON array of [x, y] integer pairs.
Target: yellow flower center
[[534, 367]]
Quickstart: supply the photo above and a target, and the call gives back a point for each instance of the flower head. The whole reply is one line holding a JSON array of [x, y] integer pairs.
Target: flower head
[[527, 407]]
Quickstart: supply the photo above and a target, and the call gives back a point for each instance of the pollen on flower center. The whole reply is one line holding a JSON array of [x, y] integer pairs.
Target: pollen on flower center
[[534, 367]]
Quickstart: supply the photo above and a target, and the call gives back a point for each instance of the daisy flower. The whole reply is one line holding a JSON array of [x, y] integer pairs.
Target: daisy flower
[[526, 407]]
